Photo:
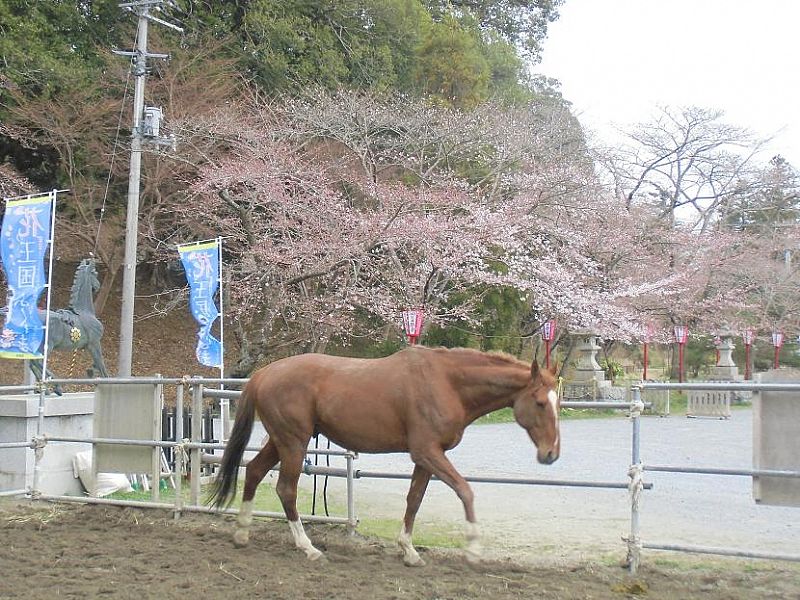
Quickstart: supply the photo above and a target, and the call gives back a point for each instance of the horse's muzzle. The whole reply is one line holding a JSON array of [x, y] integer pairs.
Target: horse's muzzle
[[547, 458]]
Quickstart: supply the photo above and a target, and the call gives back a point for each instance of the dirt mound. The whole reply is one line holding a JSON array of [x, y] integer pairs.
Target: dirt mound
[[97, 551]]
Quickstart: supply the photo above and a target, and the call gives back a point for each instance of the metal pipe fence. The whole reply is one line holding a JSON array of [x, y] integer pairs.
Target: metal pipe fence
[[711, 470], [188, 455], [194, 424]]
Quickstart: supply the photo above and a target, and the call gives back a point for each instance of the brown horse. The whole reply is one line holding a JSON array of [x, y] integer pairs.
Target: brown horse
[[418, 400]]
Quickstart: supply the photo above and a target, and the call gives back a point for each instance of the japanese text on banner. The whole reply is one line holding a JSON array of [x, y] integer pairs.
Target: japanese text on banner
[[26, 232], [201, 262]]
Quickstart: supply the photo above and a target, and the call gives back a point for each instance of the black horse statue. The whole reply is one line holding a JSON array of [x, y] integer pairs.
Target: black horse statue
[[76, 327]]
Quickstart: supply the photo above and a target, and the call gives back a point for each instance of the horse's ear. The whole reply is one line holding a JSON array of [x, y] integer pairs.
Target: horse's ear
[[534, 369], [554, 369]]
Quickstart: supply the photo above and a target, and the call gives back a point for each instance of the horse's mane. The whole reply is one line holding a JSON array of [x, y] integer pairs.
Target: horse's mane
[[80, 279], [493, 356]]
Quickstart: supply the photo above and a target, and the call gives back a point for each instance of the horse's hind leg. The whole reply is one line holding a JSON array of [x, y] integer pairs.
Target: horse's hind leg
[[291, 465], [255, 471], [97, 359], [419, 483]]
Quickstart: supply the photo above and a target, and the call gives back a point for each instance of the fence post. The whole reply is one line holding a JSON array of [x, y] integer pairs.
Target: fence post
[[178, 451], [351, 505], [636, 484], [197, 428], [157, 429]]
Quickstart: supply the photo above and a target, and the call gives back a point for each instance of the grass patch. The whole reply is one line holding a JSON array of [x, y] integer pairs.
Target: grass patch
[[506, 415], [425, 534], [678, 402], [266, 499], [691, 562], [591, 413]]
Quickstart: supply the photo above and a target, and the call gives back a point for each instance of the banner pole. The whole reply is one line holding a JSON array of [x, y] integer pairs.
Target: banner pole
[[221, 317], [224, 403], [43, 384], [40, 424]]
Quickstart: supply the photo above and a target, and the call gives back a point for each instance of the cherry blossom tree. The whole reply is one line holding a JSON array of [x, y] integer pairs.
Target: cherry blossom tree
[[338, 214], [687, 162]]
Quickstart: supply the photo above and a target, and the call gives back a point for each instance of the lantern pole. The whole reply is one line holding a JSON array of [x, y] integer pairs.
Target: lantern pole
[[548, 335], [777, 341], [644, 370], [646, 343], [747, 374], [747, 337]]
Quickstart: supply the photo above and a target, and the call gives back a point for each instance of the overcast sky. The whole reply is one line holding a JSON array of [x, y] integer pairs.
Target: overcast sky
[[618, 60]]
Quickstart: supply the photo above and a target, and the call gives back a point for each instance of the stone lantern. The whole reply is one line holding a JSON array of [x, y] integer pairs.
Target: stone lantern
[[587, 379], [725, 369]]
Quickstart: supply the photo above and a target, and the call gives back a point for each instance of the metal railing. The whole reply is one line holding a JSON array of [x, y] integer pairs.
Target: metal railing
[[195, 447], [644, 467]]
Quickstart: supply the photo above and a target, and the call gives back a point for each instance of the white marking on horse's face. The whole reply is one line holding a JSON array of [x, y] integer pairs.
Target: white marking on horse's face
[[553, 398]]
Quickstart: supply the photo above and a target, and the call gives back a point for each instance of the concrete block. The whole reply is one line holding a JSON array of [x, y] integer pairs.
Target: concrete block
[[776, 440], [69, 415]]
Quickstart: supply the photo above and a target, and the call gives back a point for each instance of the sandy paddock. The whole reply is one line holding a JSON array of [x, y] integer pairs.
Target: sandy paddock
[[84, 551]]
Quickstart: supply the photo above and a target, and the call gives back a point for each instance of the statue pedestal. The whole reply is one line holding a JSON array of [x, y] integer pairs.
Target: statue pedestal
[[69, 415]]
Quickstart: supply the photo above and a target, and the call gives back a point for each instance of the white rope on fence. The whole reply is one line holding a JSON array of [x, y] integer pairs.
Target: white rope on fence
[[636, 473]]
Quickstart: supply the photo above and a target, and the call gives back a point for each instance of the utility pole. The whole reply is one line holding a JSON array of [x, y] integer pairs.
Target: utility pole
[[142, 8]]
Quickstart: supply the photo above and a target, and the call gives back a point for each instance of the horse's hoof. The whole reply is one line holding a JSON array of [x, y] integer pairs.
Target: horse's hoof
[[413, 561], [473, 556], [241, 537], [316, 556]]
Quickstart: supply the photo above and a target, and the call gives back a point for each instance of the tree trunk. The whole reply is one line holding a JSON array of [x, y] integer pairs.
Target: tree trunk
[[105, 290]]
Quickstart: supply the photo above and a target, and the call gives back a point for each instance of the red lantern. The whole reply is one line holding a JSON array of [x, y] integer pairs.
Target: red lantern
[[412, 324], [681, 337], [548, 335], [681, 334], [777, 341]]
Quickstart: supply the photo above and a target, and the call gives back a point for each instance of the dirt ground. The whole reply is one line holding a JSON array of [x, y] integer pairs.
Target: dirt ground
[[79, 551]]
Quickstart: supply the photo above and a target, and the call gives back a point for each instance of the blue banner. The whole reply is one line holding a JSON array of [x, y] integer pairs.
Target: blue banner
[[26, 231], [201, 262]]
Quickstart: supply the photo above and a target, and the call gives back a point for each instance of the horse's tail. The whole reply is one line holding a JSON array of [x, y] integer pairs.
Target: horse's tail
[[224, 487]]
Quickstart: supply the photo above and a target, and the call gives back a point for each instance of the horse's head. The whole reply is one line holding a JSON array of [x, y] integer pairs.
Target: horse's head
[[88, 270], [536, 410]]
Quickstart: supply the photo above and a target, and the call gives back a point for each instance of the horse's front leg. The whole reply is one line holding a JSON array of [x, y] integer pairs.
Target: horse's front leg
[[36, 366], [419, 483], [435, 461], [291, 465]]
